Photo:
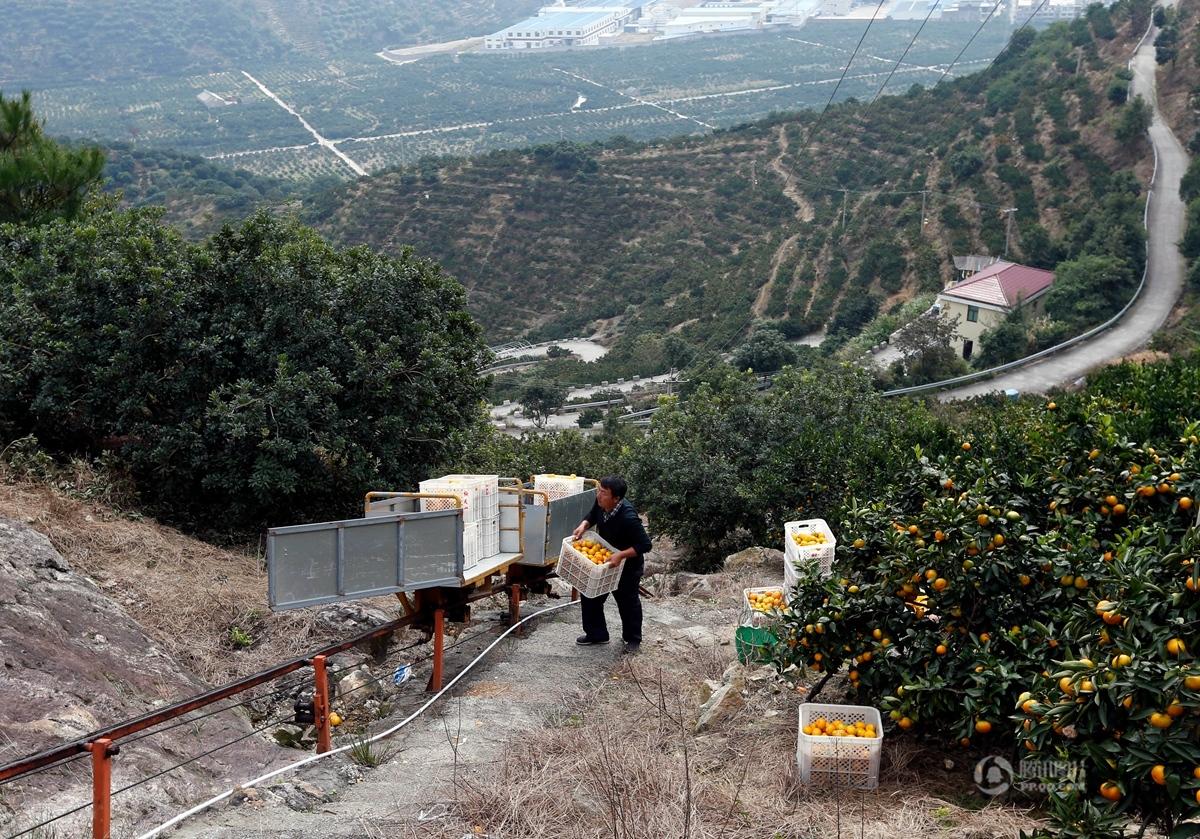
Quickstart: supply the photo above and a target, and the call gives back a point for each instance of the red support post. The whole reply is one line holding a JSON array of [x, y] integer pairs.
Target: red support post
[[321, 704], [514, 605], [574, 594], [439, 644], [102, 751]]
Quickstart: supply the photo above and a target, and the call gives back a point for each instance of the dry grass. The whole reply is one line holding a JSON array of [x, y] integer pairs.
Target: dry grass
[[621, 760], [187, 595]]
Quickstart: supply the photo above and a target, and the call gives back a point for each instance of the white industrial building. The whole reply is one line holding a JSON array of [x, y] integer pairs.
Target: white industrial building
[[564, 26], [1020, 10], [723, 18]]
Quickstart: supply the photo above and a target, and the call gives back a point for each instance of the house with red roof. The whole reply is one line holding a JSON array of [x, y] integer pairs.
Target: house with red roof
[[986, 297]]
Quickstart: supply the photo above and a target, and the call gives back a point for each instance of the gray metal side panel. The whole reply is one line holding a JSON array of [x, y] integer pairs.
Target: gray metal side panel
[[313, 564], [535, 535], [546, 527]]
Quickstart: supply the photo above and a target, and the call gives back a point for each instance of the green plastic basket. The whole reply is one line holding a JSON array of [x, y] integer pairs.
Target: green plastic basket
[[753, 644]]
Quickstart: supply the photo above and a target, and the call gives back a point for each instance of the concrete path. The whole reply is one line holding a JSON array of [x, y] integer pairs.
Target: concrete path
[[1165, 275], [518, 687]]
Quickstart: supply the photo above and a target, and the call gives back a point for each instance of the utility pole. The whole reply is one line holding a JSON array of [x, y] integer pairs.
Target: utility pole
[[843, 209], [924, 192], [1008, 227]]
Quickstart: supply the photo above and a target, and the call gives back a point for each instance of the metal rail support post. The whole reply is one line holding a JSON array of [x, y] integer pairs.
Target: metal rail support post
[[439, 644], [102, 752], [321, 704], [514, 605]]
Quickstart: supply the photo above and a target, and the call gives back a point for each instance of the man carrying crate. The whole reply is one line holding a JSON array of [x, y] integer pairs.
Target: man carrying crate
[[618, 523]]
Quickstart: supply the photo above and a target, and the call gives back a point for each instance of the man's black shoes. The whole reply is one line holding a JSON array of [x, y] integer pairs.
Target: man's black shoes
[[588, 641], [632, 648]]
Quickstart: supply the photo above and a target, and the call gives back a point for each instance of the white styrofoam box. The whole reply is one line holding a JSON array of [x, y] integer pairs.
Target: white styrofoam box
[[588, 578], [848, 762], [752, 616], [557, 486], [822, 554]]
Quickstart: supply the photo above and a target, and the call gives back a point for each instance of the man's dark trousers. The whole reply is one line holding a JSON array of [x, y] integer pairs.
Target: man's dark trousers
[[629, 604]]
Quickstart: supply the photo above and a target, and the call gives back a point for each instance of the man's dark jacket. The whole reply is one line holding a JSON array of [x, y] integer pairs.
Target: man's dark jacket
[[622, 530]]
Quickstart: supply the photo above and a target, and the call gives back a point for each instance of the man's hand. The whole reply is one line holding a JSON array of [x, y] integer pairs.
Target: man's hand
[[580, 530], [619, 557]]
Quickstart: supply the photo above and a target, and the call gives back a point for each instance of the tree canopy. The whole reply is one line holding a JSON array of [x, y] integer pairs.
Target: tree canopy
[[40, 180], [260, 377]]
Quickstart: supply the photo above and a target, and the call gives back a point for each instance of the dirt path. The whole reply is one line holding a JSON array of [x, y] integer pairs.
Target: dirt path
[[516, 689], [804, 210], [764, 293]]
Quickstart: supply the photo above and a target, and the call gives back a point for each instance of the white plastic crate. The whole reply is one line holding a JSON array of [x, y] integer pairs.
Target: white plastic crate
[[487, 490], [585, 576], [752, 616], [478, 495], [473, 548], [489, 531], [847, 762], [557, 486], [821, 554]]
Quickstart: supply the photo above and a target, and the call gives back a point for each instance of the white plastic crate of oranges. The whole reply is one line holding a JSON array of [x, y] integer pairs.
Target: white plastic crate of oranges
[[809, 541], [821, 727], [594, 551]]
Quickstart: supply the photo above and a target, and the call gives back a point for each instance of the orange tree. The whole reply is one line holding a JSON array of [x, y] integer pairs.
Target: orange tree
[[1036, 591]]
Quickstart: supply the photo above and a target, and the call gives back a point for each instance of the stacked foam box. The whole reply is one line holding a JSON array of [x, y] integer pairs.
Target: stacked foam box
[[479, 496], [556, 486]]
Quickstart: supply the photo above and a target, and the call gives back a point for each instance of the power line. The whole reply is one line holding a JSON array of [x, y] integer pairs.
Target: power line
[[970, 41], [1013, 37], [904, 54], [816, 123]]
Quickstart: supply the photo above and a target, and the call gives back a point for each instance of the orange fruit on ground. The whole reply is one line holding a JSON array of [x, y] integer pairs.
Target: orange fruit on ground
[[1110, 791], [1159, 775]]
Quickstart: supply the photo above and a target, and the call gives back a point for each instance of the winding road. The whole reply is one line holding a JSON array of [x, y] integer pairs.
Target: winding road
[[1165, 269]]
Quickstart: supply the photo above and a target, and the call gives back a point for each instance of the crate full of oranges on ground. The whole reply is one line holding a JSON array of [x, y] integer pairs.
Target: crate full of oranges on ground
[[839, 745], [804, 542], [584, 564], [755, 636]]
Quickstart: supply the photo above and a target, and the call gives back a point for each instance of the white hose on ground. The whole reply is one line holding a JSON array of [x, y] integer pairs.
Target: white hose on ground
[[199, 808]]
